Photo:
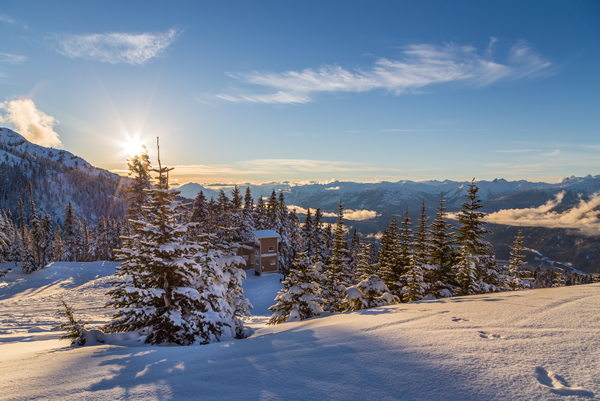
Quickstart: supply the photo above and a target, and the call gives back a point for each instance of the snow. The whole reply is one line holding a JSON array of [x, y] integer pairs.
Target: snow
[[262, 234], [536, 344]]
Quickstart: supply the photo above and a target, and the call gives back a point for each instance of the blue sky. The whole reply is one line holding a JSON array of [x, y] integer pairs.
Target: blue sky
[[273, 91]]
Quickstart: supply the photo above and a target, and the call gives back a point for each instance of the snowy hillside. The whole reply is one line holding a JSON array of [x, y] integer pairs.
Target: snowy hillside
[[536, 344], [57, 177], [15, 145]]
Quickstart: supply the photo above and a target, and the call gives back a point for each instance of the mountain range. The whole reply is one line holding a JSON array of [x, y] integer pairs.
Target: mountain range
[[560, 221]]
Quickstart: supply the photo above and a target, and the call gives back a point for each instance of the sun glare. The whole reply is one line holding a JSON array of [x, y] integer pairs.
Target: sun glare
[[133, 146]]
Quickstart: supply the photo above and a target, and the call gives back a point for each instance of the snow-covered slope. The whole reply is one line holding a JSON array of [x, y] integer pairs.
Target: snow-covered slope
[[57, 178], [537, 344], [15, 146]]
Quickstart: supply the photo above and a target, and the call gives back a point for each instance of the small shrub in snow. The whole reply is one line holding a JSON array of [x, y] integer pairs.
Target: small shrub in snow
[[75, 329]]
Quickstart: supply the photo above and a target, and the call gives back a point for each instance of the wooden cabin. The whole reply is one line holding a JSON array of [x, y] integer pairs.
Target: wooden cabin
[[262, 254]]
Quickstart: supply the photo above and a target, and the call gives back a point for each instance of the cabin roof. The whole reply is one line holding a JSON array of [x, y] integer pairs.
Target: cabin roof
[[261, 234]]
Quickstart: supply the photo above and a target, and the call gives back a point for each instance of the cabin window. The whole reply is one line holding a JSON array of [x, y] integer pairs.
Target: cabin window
[[273, 262], [271, 249]]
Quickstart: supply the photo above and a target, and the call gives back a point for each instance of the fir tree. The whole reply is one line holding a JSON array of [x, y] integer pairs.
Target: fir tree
[[442, 254], [338, 277], [516, 264], [414, 290], [173, 289], [391, 269], [75, 329], [260, 215], [300, 297], [247, 223], [57, 244], [199, 214], [471, 234], [370, 292], [70, 234], [139, 169]]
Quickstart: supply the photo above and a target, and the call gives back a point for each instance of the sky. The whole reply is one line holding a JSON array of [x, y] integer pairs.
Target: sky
[[265, 91]]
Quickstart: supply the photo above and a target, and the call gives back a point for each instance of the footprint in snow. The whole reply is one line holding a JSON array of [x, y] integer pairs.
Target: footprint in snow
[[558, 385], [459, 319], [483, 334]]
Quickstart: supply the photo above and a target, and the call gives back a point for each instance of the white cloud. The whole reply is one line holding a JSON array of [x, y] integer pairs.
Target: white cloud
[[583, 217], [421, 66], [349, 214], [557, 151], [116, 48], [33, 124], [11, 58]]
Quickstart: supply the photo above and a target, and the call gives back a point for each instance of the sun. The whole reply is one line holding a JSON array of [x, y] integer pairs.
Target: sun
[[133, 147]]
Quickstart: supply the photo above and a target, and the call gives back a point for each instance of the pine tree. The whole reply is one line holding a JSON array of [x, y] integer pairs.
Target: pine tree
[[199, 214], [466, 274], [442, 254], [421, 255], [260, 215], [414, 290], [57, 244], [75, 328], [300, 297], [321, 239], [391, 270], [338, 277], [139, 168], [247, 223], [370, 292], [308, 231], [70, 234], [355, 249], [471, 234], [516, 264], [172, 289]]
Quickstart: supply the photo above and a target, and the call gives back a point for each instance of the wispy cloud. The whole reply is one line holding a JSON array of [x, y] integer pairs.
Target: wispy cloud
[[7, 19], [583, 217], [422, 65], [305, 165], [116, 48], [11, 58], [557, 151], [35, 125]]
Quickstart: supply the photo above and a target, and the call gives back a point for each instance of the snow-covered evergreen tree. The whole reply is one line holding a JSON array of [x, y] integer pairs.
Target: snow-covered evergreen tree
[[415, 288], [390, 267], [139, 169], [442, 254], [173, 289], [516, 264], [70, 234], [300, 297], [369, 293], [75, 329], [471, 234], [338, 276]]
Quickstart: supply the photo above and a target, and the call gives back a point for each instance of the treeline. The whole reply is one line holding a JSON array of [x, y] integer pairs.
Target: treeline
[[53, 183], [35, 239], [434, 260]]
